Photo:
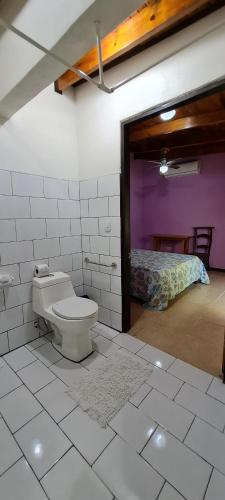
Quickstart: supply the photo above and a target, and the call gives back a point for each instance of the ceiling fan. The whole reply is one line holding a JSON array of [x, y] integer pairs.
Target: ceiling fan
[[164, 164]]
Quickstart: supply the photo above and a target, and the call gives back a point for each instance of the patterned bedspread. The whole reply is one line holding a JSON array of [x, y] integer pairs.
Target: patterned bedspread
[[157, 277]]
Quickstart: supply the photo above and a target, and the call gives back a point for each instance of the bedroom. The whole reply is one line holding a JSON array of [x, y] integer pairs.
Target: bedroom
[[177, 295]]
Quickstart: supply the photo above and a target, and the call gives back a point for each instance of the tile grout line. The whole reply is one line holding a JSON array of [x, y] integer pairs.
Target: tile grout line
[[158, 496], [42, 411], [168, 398], [23, 456], [210, 476]]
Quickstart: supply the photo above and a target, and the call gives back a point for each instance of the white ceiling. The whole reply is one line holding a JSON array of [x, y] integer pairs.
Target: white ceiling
[[63, 26]]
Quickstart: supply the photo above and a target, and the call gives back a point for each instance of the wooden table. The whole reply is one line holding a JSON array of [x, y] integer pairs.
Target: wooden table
[[182, 239]]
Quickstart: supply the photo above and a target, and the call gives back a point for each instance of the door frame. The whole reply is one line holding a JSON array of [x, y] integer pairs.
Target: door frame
[[186, 98]]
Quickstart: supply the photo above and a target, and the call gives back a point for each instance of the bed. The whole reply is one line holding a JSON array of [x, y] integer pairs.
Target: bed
[[157, 277]]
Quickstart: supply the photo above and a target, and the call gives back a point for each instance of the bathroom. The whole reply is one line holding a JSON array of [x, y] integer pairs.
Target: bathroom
[[87, 411]]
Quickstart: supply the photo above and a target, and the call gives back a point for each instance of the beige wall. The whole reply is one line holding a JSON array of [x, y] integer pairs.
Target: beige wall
[[99, 115], [41, 138]]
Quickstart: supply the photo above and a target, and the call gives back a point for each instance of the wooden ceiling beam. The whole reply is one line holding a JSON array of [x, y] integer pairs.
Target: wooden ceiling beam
[[146, 131], [179, 139], [153, 21], [191, 151]]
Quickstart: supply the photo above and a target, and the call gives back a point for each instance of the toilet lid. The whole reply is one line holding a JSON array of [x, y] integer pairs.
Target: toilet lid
[[75, 308]]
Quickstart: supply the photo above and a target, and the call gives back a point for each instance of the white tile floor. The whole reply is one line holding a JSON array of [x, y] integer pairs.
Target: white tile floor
[[167, 443]]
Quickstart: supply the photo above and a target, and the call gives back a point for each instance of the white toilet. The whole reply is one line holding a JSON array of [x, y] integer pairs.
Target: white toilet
[[71, 317]]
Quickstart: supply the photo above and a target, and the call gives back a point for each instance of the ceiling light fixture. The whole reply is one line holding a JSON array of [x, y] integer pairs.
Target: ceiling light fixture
[[168, 115], [163, 166]]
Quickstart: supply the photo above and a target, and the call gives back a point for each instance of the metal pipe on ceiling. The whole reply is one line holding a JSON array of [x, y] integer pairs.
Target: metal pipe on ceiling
[[164, 58], [100, 84], [48, 52]]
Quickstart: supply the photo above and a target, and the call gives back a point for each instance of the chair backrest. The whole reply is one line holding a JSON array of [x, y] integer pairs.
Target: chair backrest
[[203, 239]]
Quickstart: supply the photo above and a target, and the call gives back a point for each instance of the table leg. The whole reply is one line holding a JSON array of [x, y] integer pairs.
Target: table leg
[[182, 246], [186, 246], [157, 244]]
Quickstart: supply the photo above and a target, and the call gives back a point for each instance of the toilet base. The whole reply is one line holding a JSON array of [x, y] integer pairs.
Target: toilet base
[[71, 354]]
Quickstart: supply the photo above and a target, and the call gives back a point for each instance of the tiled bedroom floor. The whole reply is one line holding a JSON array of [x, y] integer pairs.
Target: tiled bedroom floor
[[192, 328], [167, 443]]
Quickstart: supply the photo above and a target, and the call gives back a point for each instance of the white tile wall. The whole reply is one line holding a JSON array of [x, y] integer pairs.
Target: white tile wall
[[4, 343], [58, 227], [88, 189], [100, 228], [104, 315], [7, 230], [106, 260], [56, 188], [116, 320], [64, 263], [109, 185], [42, 220], [5, 182], [46, 248], [27, 229], [12, 253], [14, 207], [76, 277], [87, 277], [77, 261], [74, 190], [114, 206], [14, 270], [28, 314], [27, 185], [39, 223], [43, 209], [2, 301], [116, 284], [86, 244], [22, 335], [98, 207], [27, 269], [75, 227], [16, 295], [100, 280], [115, 247], [111, 301], [109, 225], [71, 245], [11, 318], [89, 226], [99, 245], [84, 208], [69, 209]]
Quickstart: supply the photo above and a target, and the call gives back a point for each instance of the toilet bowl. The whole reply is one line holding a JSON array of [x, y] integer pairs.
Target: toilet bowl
[[71, 317]]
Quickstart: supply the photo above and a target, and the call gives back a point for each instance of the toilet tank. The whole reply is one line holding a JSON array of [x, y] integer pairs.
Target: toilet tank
[[50, 289]]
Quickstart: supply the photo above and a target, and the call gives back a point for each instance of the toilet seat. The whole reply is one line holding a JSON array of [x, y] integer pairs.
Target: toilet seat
[[75, 308]]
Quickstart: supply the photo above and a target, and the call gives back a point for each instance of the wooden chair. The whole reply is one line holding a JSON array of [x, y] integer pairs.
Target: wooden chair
[[203, 243]]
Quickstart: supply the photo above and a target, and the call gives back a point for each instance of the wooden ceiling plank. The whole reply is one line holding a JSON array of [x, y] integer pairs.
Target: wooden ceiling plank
[[147, 131], [154, 18], [179, 139], [184, 152]]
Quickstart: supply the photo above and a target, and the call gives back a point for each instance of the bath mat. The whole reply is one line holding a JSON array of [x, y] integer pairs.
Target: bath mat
[[103, 390]]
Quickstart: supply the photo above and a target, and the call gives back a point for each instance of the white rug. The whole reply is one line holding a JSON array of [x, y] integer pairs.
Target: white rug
[[103, 390]]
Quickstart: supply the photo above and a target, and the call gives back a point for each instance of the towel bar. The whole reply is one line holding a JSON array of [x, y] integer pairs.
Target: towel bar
[[88, 261]]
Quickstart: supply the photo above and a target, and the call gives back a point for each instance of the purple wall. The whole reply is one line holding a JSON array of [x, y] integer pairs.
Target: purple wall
[[175, 205]]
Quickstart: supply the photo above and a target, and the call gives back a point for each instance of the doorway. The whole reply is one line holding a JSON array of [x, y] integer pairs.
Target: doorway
[[136, 319]]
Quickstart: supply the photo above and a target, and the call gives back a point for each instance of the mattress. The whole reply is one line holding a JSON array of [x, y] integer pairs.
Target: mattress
[[157, 277]]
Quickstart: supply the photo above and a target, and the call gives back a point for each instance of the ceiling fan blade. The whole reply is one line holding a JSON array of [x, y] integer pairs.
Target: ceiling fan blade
[[175, 163]]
